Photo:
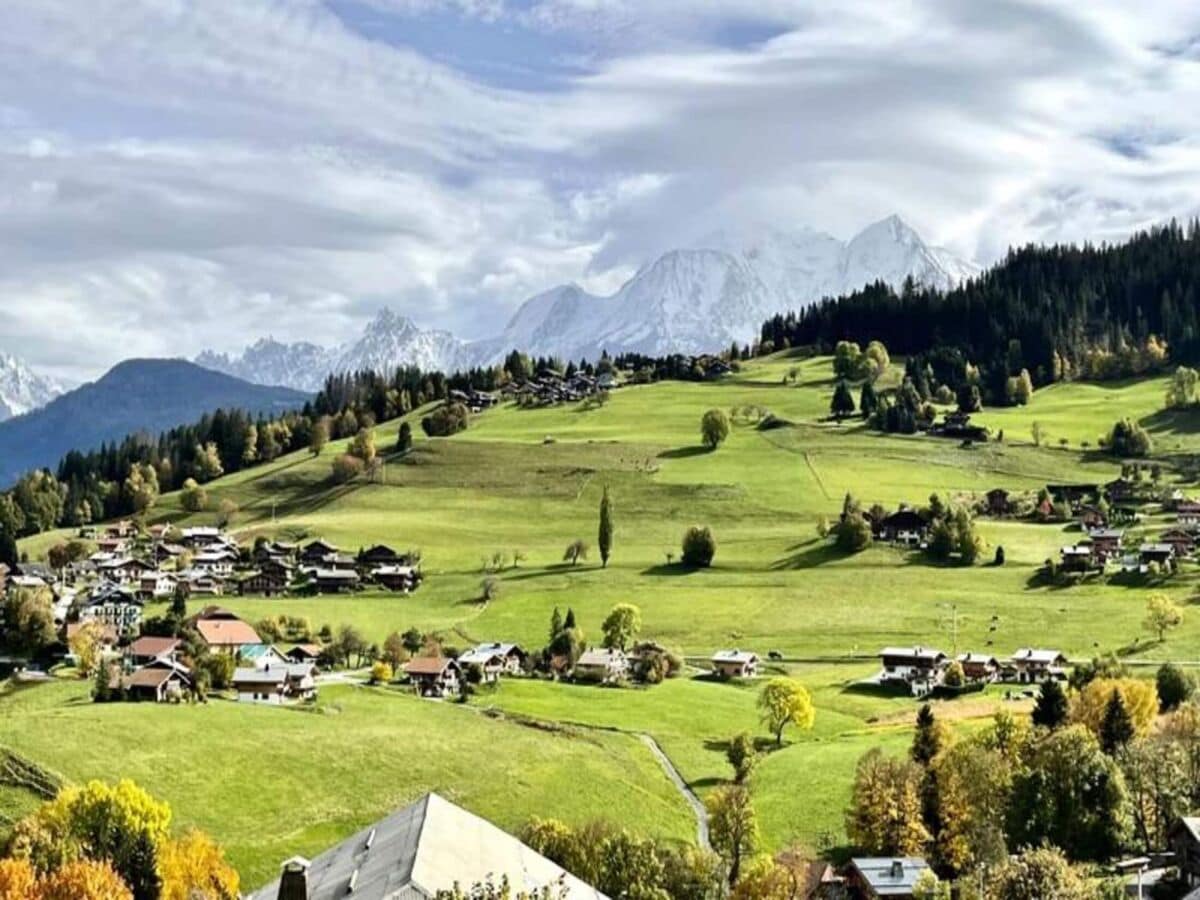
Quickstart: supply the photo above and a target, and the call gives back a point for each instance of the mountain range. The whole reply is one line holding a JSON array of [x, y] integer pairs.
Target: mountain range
[[692, 300], [23, 390], [138, 395]]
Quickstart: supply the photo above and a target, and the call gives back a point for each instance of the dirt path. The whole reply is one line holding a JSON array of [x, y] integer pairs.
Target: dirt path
[[689, 795]]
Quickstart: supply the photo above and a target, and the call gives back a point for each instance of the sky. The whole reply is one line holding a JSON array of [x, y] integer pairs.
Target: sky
[[178, 175]]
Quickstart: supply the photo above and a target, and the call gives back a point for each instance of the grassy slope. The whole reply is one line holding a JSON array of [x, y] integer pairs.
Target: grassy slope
[[274, 782], [501, 487]]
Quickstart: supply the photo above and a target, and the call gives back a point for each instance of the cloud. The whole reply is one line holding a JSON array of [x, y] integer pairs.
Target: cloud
[[176, 175]]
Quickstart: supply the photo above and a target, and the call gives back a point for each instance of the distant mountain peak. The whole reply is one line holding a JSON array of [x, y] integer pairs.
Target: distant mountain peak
[[23, 390]]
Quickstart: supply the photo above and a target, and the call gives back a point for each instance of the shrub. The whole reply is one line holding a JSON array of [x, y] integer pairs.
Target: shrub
[[381, 672], [714, 428], [1128, 438], [699, 547], [346, 468], [448, 419], [1174, 686]]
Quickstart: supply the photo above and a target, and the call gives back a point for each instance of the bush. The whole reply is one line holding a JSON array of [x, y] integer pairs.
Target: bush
[[193, 498], [699, 547], [1174, 686], [1128, 438], [448, 419], [381, 672], [346, 468], [714, 428]]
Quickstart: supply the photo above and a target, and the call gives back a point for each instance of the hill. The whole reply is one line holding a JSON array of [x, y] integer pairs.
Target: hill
[[146, 395], [523, 483]]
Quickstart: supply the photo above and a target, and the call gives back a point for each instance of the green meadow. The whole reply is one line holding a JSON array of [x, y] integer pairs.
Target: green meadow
[[523, 484]]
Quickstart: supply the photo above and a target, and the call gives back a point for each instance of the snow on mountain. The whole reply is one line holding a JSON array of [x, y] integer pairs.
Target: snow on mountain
[[703, 299], [302, 365], [21, 389], [389, 341], [692, 300]]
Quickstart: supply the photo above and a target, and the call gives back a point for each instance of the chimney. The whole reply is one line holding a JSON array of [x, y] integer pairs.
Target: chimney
[[293, 883], [897, 871]]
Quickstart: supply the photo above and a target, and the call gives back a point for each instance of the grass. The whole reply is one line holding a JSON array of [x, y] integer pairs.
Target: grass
[[530, 481], [270, 783]]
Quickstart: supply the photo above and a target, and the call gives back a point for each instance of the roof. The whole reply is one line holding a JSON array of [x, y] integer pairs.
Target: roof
[[601, 658], [153, 646], [734, 656], [425, 848], [1156, 548], [977, 658], [153, 677], [312, 650], [480, 656], [1030, 654], [227, 632], [257, 651], [1190, 824], [890, 876], [428, 665], [272, 675], [914, 653]]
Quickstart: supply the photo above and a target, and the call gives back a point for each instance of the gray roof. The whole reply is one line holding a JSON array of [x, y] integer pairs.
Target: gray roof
[[890, 876], [425, 848]]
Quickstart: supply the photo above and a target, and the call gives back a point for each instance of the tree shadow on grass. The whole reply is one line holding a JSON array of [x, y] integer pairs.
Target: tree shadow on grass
[[563, 568], [815, 553], [684, 452], [674, 569], [1172, 421]]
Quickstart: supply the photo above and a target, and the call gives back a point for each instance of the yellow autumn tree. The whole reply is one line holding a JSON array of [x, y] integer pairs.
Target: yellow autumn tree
[[86, 645], [1138, 695], [84, 879], [884, 817], [18, 881], [193, 867]]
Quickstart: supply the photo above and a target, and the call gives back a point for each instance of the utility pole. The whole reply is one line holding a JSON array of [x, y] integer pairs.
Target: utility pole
[[954, 622]]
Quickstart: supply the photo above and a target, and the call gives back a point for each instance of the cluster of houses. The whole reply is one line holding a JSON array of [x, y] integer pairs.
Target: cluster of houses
[[475, 401], [922, 670], [549, 387], [153, 668], [1104, 540], [112, 585]]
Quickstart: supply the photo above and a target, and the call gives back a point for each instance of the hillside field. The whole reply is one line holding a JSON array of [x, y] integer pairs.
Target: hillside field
[[269, 783]]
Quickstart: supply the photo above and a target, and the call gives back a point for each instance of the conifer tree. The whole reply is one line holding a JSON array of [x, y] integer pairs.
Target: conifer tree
[[606, 528]]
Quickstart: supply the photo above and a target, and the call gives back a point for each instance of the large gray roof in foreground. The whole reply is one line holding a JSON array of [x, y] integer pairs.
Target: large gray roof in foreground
[[424, 848]]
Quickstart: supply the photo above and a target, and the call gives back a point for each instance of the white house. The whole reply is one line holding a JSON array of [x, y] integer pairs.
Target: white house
[[735, 664], [1033, 665], [115, 606], [603, 666], [275, 684], [921, 669]]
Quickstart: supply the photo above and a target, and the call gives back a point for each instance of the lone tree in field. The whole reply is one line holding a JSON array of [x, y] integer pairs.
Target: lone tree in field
[[621, 626], [783, 702], [319, 436], [714, 428], [842, 404], [699, 547], [1162, 614], [605, 538], [576, 550], [404, 438]]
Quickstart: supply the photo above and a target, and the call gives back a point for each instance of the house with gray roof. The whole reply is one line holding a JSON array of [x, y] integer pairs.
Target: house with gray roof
[[885, 876], [418, 851]]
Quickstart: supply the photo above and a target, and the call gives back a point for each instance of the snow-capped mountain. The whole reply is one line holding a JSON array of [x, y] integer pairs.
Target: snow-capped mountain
[[703, 299], [392, 340], [21, 389], [691, 300], [301, 365], [388, 341]]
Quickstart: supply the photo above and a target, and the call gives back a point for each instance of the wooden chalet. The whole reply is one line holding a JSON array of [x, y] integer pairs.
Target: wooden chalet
[[1181, 540], [270, 580], [383, 555], [1184, 838], [602, 666], [157, 682], [396, 578], [906, 526], [148, 649], [495, 657], [979, 666], [434, 676], [222, 631], [1033, 666], [1106, 542], [877, 878], [1187, 512], [1092, 517], [1077, 557], [316, 551], [919, 669], [333, 581], [304, 653]]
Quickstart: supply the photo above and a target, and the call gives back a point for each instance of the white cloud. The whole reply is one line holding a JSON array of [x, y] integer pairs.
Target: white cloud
[[178, 174]]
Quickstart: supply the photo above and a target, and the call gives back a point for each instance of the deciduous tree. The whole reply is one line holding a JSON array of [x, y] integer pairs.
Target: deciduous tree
[[783, 702]]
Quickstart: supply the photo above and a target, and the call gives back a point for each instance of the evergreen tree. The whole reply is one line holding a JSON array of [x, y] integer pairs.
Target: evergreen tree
[[1050, 710], [404, 440], [606, 528], [556, 623], [868, 400], [1116, 729], [842, 403], [929, 737], [569, 621]]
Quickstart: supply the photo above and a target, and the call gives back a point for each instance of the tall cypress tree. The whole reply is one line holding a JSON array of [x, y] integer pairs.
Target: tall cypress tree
[[1116, 729], [1050, 711], [606, 528]]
